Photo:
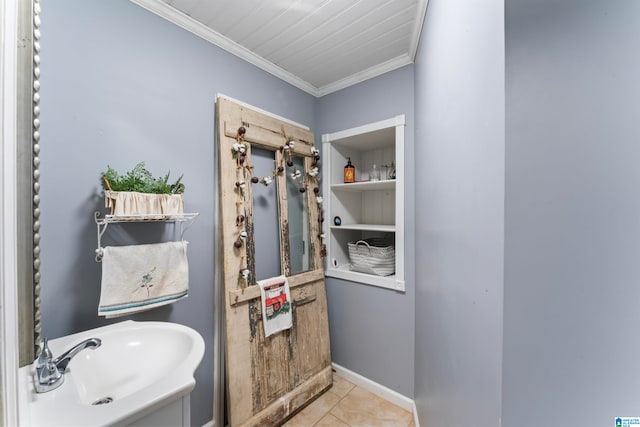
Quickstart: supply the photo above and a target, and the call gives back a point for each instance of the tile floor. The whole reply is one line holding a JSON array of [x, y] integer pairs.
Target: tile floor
[[346, 404]]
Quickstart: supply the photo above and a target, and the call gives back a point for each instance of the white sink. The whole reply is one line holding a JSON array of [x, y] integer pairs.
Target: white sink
[[139, 368]]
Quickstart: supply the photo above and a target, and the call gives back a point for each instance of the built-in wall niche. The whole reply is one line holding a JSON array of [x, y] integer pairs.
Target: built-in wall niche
[[370, 207]]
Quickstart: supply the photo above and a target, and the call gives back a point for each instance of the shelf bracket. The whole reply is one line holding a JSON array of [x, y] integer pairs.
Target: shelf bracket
[[101, 228]]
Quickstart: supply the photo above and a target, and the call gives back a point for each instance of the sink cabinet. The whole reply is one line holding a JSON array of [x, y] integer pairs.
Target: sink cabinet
[[173, 414]]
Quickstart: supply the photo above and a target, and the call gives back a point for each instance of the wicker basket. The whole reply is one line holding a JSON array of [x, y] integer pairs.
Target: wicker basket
[[372, 256]]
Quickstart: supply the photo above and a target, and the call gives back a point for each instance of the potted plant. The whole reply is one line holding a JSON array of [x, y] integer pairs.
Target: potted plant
[[138, 193]]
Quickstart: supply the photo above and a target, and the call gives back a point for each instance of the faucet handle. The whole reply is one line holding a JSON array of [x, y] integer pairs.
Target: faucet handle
[[45, 354], [47, 375]]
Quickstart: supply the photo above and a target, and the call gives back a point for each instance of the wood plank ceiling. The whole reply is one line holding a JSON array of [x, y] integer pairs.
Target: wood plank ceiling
[[319, 46]]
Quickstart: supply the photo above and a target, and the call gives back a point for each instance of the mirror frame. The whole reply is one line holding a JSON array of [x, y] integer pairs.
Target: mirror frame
[[28, 179], [20, 22]]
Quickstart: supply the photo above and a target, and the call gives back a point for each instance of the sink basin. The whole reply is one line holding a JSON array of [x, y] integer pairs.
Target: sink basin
[[139, 368]]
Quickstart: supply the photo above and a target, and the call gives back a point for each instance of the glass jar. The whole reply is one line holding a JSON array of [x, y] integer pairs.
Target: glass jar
[[375, 173]]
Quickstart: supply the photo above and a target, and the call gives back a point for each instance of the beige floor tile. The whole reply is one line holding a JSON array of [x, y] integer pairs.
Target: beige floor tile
[[315, 411], [330, 421], [363, 408], [341, 387]]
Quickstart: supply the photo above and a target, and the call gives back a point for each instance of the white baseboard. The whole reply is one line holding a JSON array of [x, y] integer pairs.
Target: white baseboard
[[416, 421], [209, 424], [379, 390]]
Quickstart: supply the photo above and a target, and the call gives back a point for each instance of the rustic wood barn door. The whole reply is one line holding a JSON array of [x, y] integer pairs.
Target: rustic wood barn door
[[269, 378]]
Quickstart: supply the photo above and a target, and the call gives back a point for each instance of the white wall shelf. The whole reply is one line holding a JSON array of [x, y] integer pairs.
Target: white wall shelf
[[102, 222], [366, 208], [110, 219]]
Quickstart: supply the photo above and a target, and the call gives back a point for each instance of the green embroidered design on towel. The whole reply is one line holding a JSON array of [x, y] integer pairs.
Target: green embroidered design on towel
[[146, 280]]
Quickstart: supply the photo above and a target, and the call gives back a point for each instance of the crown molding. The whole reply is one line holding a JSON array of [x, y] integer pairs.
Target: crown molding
[[369, 73], [184, 21], [421, 12]]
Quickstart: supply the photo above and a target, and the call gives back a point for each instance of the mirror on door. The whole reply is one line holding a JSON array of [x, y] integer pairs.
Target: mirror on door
[[298, 222], [265, 216], [266, 235]]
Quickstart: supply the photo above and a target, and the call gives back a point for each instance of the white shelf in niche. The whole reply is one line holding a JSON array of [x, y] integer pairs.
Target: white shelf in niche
[[344, 272], [387, 184], [366, 227], [367, 209]]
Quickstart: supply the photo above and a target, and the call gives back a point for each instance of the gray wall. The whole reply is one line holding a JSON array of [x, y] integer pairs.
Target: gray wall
[[459, 213], [121, 85], [372, 328], [572, 212]]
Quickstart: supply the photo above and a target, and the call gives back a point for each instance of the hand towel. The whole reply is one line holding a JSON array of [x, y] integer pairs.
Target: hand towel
[[142, 277], [276, 305]]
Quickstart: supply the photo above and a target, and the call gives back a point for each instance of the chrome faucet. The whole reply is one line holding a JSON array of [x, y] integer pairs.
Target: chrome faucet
[[50, 371], [63, 360]]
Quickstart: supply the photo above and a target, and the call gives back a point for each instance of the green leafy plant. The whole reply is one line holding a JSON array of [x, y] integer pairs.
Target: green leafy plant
[[141, 180]]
